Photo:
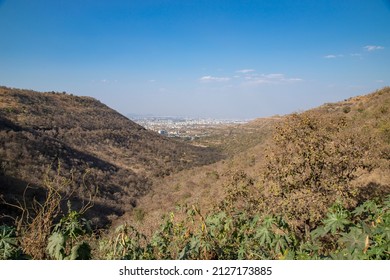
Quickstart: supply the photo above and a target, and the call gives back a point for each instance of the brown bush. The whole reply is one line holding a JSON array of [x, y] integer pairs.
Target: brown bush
[[310, 165]]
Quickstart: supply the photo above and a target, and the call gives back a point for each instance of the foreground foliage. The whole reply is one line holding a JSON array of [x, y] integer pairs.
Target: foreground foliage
[[9, 248], [65, 242], [359, 233]]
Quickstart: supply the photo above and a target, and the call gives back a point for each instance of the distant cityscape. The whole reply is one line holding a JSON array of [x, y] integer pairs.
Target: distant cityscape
[[182, 127]]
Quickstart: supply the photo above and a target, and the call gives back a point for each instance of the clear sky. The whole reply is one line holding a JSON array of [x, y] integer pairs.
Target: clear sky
[[205, 58]]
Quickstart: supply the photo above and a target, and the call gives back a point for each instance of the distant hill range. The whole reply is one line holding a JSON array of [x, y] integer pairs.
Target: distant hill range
[[84, 147]]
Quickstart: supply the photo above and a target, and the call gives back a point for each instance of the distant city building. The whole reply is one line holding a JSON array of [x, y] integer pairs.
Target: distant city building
[[184, 128]]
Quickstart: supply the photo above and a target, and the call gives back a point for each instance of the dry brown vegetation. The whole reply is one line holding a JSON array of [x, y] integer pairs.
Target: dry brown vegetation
[[295, 166], [98, 149], [298, 165]]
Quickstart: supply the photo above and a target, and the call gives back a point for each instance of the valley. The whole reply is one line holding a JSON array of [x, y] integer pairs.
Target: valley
[[183, 195]]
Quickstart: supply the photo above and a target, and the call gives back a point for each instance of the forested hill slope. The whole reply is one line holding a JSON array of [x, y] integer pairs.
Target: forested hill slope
[[300, 164], [86, 147]]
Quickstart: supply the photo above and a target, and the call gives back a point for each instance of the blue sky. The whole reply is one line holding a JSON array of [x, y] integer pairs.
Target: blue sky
[[220, 58]]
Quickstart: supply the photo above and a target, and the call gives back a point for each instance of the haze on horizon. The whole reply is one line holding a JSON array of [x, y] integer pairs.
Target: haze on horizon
[[219, 59]]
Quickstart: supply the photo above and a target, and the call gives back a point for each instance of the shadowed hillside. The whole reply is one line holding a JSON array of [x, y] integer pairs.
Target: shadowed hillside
[[100, 153]]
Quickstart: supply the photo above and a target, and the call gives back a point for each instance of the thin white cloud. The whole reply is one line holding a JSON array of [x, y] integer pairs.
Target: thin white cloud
[[294, 79], [330, 56], [372, 48], [213, 79], [379, 81], [105, 81], [152, 81], [245, 71], [273, 78], [252, 79]]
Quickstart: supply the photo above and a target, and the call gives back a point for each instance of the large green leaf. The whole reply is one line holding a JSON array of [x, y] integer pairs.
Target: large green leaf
[[81, 251], [264, 235], [8, 243], [56, 246], [355, 240], [336, 221]]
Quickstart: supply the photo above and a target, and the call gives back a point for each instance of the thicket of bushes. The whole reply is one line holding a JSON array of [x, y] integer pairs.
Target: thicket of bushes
[[359, 233]]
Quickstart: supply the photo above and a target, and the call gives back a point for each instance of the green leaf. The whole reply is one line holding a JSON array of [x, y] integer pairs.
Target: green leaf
[[355, 240], [318, 232], [264, 235], [8, 243], [195, 244], [254, 221], [241, 252], [185, 252], [369, 208], [386, 203], [81, 251], [359, 210], [56, 246], [336, 221], [279, 243], [269, 221], [383, 228]]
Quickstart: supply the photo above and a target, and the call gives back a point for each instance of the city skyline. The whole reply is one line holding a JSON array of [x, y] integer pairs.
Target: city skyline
[[208, 59]]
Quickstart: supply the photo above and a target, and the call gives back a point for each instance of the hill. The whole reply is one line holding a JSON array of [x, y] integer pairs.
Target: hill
[[300, 164], [86, 148]]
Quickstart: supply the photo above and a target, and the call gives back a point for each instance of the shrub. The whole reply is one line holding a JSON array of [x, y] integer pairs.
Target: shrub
[[139, 214], [64, 243], [363, 233], [311, 164], [346, 109], [126, 243]]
